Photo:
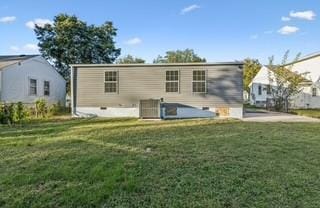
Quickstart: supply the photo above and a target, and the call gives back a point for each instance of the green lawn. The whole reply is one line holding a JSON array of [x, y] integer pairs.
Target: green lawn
[[131, 163], [315, 113]]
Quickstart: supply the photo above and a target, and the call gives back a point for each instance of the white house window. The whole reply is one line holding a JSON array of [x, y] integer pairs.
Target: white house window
[[269, 89], [314, 92], [46, 88], [111, 82], [172, 81], [259, 90], [199, 81], [32, 87]]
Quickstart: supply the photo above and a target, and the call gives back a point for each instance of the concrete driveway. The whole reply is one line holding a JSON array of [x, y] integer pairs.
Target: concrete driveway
[[268, 116]]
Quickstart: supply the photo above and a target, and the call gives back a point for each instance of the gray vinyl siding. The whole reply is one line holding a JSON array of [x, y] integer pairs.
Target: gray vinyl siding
[[224, 86]]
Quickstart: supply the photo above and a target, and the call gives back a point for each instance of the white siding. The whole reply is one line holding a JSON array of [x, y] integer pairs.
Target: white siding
[[255, 97], [15, 78], [312, 66], [305, 99]]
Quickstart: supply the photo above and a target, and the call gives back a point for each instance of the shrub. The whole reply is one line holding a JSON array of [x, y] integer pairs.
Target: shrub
[[20, 113], [58, 109], [5, 115], [41, 108], [13, 113]]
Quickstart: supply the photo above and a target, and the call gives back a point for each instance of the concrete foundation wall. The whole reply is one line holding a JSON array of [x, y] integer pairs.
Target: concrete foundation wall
[[108, 112], [134, 112]]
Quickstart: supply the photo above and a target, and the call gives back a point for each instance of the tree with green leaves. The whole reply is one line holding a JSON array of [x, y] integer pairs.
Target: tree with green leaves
[[179, 56], [285, 83], [72, 41], [128, 59], [250, 70]]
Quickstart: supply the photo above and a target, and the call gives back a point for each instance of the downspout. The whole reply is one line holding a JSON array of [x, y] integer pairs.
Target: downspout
[[72, 90]]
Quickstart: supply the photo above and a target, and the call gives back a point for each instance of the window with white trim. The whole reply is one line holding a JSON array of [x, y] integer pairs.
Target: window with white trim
[[268, 89], [314, 92], [46, 88], [259, 90], [199, 84], [111, 82], [172, 81], [32, 87]]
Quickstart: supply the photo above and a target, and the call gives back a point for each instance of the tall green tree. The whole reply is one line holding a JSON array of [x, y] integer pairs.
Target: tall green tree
[[128, 59], [250, 70], [179, 56], [72, 41]]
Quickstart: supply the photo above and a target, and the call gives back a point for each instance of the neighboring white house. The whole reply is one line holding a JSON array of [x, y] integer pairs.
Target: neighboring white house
[[309, 97], [260, 87], [26, 78]]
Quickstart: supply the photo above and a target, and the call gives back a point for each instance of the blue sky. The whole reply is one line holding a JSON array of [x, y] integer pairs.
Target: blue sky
[[217, 30]]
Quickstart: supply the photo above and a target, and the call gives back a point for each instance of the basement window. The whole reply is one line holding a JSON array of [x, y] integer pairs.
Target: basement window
[[32, 87], [111, 82], [199, 84], [171, 111], [172, 81]]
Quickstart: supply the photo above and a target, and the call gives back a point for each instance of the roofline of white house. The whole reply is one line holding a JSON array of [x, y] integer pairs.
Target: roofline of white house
[[159, 65], [311, 56], [20, 61]]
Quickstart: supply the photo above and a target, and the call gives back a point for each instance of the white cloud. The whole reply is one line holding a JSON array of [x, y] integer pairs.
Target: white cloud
[[8, 19], [133, 41], [287, 30], [285, 19], [27, 48], [189, 9], [305, 15], [40, 22], [254, 37]]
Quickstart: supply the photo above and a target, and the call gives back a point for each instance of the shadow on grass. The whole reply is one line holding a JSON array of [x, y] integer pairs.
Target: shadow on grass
[[49, 128], [85, 127]]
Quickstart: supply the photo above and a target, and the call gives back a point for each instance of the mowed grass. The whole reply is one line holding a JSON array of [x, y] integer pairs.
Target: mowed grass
[[314, 113], [132, 163]]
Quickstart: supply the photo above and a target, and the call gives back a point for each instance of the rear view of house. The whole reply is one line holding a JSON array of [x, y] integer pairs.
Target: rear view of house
[[157, 90], [27, 78]]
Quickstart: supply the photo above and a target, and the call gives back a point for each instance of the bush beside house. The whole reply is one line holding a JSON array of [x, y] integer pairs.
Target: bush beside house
[[17, 113]]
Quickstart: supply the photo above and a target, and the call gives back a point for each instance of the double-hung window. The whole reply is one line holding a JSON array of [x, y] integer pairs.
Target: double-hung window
[[46, 88], [268, 89], [32, 87], [259, 90], [111, 82], [172, 81], [314, 92], [199, 84]]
